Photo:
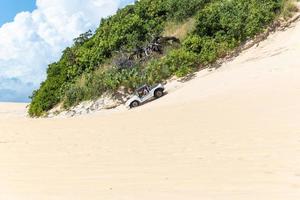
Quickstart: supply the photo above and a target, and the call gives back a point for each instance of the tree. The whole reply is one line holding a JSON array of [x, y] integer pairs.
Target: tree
[[83, 38]]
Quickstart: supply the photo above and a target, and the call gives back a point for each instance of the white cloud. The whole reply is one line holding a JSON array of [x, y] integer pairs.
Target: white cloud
[[35, 39]]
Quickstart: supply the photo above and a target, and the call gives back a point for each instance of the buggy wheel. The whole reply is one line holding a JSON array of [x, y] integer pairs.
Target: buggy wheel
[[158, 93], [134, 104]]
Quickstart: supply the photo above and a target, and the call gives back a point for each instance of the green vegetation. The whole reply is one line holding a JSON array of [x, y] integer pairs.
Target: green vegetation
[[288, 8], [86, 69]]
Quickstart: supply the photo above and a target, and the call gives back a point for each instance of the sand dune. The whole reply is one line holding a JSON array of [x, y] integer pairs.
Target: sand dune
[[229, 134]]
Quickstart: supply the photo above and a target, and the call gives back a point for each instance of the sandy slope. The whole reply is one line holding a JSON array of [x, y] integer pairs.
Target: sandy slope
[[233, 133]]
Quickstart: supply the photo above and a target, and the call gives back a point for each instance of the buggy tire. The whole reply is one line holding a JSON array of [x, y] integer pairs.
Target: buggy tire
[[134, 104], [158, 93]]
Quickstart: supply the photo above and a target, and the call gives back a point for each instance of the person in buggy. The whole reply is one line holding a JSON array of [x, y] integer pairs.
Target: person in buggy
[[143, 91]]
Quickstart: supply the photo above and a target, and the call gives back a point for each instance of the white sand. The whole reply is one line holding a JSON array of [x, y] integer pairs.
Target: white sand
[[232, 134]]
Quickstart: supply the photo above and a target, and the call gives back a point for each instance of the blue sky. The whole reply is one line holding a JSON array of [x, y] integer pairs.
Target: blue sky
[[34, 33], [9, 9]]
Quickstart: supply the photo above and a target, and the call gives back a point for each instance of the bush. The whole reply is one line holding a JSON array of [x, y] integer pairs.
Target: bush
[[45, 99], [223, 25], [180, 10], [156, 71], [208, 49], [181, 62], [288, 8], [238, 19], [73, 96]]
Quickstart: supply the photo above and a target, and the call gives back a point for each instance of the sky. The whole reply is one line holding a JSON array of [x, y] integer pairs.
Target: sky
[[9, 9], [33, 33]]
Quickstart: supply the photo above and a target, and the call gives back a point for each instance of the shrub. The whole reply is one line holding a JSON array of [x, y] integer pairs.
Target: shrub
[[73, 96], [156, 71], [239, 19], [223, 25], [288, 8], [181, 62], [180, 10], [45, 99]]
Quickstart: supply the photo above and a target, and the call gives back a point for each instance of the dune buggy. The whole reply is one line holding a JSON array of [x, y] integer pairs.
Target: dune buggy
[[145, 94]]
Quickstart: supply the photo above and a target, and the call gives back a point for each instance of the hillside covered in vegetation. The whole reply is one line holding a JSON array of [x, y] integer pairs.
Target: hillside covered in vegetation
[[207, 29]]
